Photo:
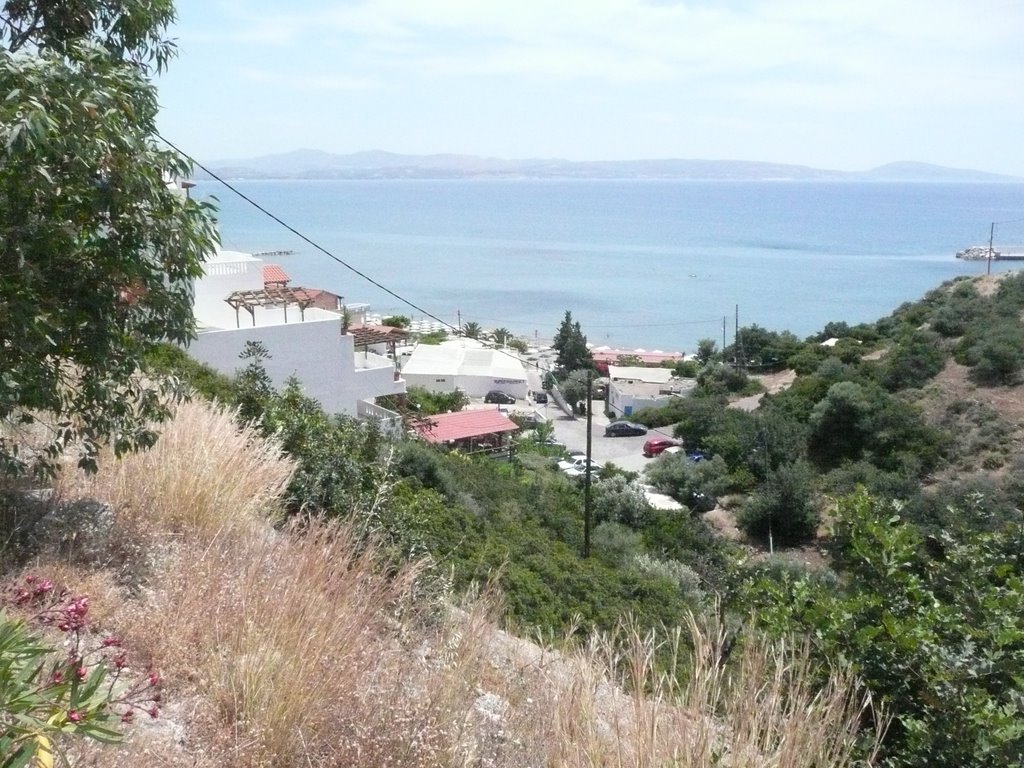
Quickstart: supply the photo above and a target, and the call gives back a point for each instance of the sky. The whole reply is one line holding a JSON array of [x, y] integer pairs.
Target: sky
[[836, 84]]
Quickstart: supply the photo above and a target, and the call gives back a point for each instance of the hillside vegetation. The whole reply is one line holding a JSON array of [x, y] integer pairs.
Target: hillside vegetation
[[287, 571], [303, 643]]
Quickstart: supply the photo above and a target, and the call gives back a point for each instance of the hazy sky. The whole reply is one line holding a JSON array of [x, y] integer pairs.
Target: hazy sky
[[840, 84]]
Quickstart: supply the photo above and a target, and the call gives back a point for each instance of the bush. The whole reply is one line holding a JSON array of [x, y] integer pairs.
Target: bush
[[82, 690], [718, 379], [620, 500], [932, 626], [784, 507], [912, 362], [997, 361], [615, 543], [690, 483]]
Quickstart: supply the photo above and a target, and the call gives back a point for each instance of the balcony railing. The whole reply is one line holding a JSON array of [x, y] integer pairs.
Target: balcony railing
[[389, 421]]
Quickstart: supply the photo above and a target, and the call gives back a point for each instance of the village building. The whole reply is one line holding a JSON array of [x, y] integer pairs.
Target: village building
[[632, 388], [240, 299], [488, 430], [605, 356], [467, 365]]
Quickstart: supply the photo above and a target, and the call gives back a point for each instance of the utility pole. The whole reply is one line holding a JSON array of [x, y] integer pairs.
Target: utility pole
[[991, 234], [739, 356], [458, 314], [724, 319], [586, 477]]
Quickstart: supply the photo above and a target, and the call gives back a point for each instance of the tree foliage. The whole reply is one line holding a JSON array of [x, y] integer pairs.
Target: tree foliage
[[784, 507], [428, 403], [571, 346], [501, 335], [96, 250], [574, 386], [932, 624]]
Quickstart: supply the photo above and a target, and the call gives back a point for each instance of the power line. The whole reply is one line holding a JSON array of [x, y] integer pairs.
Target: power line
[[377, 283], [304, 238], [369, 279]]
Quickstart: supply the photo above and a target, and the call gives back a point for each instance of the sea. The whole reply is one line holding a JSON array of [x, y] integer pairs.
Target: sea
[[645, 264]]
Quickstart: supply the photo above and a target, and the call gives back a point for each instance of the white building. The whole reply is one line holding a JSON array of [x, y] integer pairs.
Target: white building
[[465, 364], [233, 306], [631, 389]]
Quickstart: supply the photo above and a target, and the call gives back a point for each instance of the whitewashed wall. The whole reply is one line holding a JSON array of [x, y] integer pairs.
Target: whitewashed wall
[[315, 352]]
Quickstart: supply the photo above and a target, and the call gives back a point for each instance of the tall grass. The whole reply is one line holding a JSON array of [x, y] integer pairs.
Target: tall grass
[[610, 704], [206, 476]]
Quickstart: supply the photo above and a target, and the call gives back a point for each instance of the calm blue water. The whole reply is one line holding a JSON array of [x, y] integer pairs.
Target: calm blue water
[[653, 264]]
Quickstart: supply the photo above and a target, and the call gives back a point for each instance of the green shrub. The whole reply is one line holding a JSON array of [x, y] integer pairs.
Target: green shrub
[[615, 543], [784, 508], [912, 362], [932, 625], [686, 481], [998, 360], [171, 360]]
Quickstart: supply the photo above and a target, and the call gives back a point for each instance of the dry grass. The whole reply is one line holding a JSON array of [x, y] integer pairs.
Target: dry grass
[[609, 704], [300, 647], [205, 477]]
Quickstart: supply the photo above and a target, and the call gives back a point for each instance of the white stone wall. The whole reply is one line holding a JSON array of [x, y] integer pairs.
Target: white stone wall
[[314, 351]]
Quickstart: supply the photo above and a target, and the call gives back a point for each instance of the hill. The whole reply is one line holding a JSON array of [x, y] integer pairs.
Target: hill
[[894, 450], [316, 164]]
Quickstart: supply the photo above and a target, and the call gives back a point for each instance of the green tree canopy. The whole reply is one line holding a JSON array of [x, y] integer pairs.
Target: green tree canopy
[[931, 623], [97, 247], [571, 345]]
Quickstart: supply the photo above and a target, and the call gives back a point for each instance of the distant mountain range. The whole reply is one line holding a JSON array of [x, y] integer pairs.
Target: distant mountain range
[[315, 164]]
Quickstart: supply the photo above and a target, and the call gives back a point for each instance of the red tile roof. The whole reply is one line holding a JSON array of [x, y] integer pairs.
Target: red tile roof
[[464, 424], [274, 274]]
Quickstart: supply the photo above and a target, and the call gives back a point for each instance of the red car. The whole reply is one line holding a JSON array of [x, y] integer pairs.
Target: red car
[[657, 445]]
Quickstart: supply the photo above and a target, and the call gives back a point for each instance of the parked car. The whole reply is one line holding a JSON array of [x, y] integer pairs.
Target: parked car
[[497, 396], [532, 419], [578, 462], [624, 429], [692, 454], [578, 465], [658, 445], [540, 397]]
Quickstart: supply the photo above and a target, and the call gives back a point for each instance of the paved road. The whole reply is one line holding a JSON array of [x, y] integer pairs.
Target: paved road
[[625, 452]]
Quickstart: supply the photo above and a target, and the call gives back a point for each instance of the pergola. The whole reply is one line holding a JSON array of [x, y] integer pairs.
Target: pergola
[[364, 336], [270, 296]]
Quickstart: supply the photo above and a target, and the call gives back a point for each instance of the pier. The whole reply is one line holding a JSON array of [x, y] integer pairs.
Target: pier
[[1000, 253]]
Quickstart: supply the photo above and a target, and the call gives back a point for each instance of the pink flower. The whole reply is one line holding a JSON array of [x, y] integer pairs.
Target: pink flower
[[75, 716], [73, 615], [128, 716], [154, 678], [81, 673], [153, 712], [121, 661], [111, 640]]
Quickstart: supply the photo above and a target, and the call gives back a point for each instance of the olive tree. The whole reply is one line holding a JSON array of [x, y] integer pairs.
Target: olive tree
[[98, 247]]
